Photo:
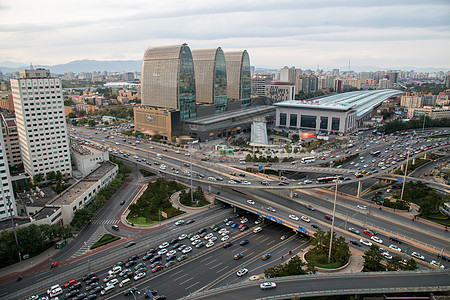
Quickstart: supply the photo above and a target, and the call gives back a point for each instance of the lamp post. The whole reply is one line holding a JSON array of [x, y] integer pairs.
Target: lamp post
[[332, 222], [423, 126], [404, 176]]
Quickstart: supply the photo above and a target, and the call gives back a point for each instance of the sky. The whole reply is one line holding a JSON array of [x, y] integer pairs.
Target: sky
[[302, 33]]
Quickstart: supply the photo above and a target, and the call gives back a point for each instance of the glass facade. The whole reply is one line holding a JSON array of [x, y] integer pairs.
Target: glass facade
[[186, 85], [335, 123], [238, 77], [308, 121], [220, 82], [324, 123], [293, 120], [246, 81], [283, 118]]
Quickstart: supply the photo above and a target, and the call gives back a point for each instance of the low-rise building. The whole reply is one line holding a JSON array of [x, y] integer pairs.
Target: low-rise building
[[85, 158], [280, 91], [11, 140], [432, 112]]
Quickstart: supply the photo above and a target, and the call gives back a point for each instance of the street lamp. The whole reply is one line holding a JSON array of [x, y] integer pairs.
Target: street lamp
[[332, 222], [404, 176], [132, 293]]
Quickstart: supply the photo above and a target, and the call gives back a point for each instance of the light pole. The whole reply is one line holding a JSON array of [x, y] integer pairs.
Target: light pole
[[132, 293], [332, 222], [424, 118], [190, 166], [404, 176]]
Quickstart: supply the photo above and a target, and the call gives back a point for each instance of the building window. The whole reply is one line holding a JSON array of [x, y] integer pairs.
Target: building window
[[283, 118], [308, 121], [293, 120], [335, 123], [324, 123]]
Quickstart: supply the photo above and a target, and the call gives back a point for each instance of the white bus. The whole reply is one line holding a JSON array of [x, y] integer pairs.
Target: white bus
[[307, 160]]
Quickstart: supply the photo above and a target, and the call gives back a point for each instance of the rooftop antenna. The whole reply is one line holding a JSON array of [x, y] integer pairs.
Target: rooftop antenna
[[31, 66], [349, 64]]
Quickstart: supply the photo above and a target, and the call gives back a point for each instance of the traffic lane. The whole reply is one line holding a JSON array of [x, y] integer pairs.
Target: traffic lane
[[194, 274], [277, 256]]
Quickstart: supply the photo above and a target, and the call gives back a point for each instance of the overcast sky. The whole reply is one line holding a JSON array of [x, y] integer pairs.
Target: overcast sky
[[303, 33]]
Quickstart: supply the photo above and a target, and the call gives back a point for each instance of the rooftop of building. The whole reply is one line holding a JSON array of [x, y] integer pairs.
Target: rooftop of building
[[85, 150], [100, 172], [361, 101], [37, 197], [244, 112], [74, 192], [45, 212]]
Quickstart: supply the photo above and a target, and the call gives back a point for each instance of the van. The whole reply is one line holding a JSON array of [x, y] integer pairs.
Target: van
[[55, 292], [125, 282], [257, 229], [108, 289]]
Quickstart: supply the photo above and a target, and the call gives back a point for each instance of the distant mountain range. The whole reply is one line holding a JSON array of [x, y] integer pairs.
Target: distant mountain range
[[85, 65]]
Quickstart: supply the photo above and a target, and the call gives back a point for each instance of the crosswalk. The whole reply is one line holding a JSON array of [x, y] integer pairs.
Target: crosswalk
[[87, 244], [102, 222]]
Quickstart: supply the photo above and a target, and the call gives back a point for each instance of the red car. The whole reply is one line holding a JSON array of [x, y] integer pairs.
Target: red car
[[70, 283], [368, 232], [328, 217], [157, 268], [54, 264], [242, 225]]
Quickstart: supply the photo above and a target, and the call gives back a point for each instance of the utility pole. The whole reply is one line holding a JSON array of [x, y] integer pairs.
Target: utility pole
[[332, 222]]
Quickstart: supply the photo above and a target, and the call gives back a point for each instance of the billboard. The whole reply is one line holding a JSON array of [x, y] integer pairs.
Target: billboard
[[307, 135]]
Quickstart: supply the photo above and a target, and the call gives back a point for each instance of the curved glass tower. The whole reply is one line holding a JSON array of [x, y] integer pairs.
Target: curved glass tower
[[168, 79], [238, 76], [211, 77]]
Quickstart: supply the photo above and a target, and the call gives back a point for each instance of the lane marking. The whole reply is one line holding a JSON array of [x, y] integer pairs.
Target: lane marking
[[215, 266], [192, 285], [210, 262], [226, 267], [186, 281]]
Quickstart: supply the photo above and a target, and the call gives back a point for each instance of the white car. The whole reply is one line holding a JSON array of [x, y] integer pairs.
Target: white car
[[232, 182], [246, 182], [222, 230], [305, 219], [186, 250], [395, 248], [162, 251], [360, 206], [244, 220], [242, 272], [209, 244], [418, 255], [212, 239], [182, 237], [251, 202], [179, 222], [208, 236], [113, 281], [171, 252], [386, 255], [224, 233], [164, 245], [224, 238], [267, 285], [365, 242], [115, 270], [109, 277], [293, 217], [376, 239], [139, 276], [195, 237], [436, 264], [194, 243]]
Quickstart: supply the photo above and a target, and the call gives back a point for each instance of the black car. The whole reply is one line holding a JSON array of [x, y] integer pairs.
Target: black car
[[151, 251], [243, 242], [71, 294], [176, 246], [75, 286], [174, 241], [315, 226], [216, 229], [171, 257], [118, 264], [90, 297], [130, 291], [156, 258], [96, 290], [395, 239], [355, 242], [129, 274], [122, 202], [130, 263], [443, 256], [201, 230], [227, 244], [160, 297], [134, 257], [87, 276], [92, 280], [147, 256], [80, 296], [190, 221]]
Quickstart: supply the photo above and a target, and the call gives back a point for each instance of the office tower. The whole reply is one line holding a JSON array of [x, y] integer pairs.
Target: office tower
[[39, 108], [168, 79], [210, 77], [393, 78], [7, 202], [258, 86], [11, 140], [447, 81], [238, 76]]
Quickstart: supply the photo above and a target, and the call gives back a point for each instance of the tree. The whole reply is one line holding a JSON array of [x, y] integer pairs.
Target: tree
[[81, 113], [38, 178], [72, 115], [291, 268], [395, 263], [372, 258], [92, 123], [411, 265], [51, 176]]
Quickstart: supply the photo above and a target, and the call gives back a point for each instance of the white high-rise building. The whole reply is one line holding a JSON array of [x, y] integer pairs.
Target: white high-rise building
[[39, 107], [7, 202]]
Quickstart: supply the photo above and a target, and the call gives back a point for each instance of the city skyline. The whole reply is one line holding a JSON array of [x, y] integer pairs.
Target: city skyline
[[322, 34]]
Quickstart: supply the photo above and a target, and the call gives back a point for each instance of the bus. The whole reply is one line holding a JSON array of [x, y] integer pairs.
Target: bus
[[307, 160], [375, 153], [325, 179]]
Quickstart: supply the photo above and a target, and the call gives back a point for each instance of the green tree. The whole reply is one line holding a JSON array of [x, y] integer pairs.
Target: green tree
[[38, 178], [51, 176], [395, 263], [92, 123], [72, 115], [372, 258], [411, 265], [293, 267]]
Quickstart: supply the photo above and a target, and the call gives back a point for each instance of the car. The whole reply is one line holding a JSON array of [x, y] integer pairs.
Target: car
[[75, 286], [195, 237], [140, 275], [113, 281], [271, 209], [130, 291], [115, 270], [129, 244], [386, 255], [310, 207], [70, 294], [242, 225], [368, 232], [171, 257], [316, 226], [88, 276], [418, 255], [251, 202], [190, 221], [209, 235], [238, 255], [187, 250], [199, 245], [96, 290], [171, 252], [444, 257], [157, 268], [234, 225], [176, 246], [115, 227], [70, 283], [91, 280], [130, 263], [194, 243], [242, 272], [109, 277], [395, 248], [182, 237], [267, 285], [365, 242], [328, 217], [376, 239], [140, 265], [212, 239], [163, 245], [356, 243], [353, 230], [293, 217], [122, 202], [155, 264], [244, 242], [227, 244], [170, 263], [209, 244], [179, 222], [360, 206], [162, 251], [182, 257], [258, 221], [265, 256], [182, 246], [436, 264], [395, 239], [123, 272], [229, 223]]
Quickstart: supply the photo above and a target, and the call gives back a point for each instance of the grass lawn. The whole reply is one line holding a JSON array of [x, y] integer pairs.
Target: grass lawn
[[333, 265], [437, 217], [104, 240], [141, 221]]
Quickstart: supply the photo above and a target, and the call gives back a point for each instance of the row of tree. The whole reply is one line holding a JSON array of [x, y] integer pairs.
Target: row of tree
[[398, 125], [198, 197]]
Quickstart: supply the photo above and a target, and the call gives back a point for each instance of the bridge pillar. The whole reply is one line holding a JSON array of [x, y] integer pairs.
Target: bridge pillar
[[291, 193], [402, 167], [414, 161], [358, 194], [425, 156]]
